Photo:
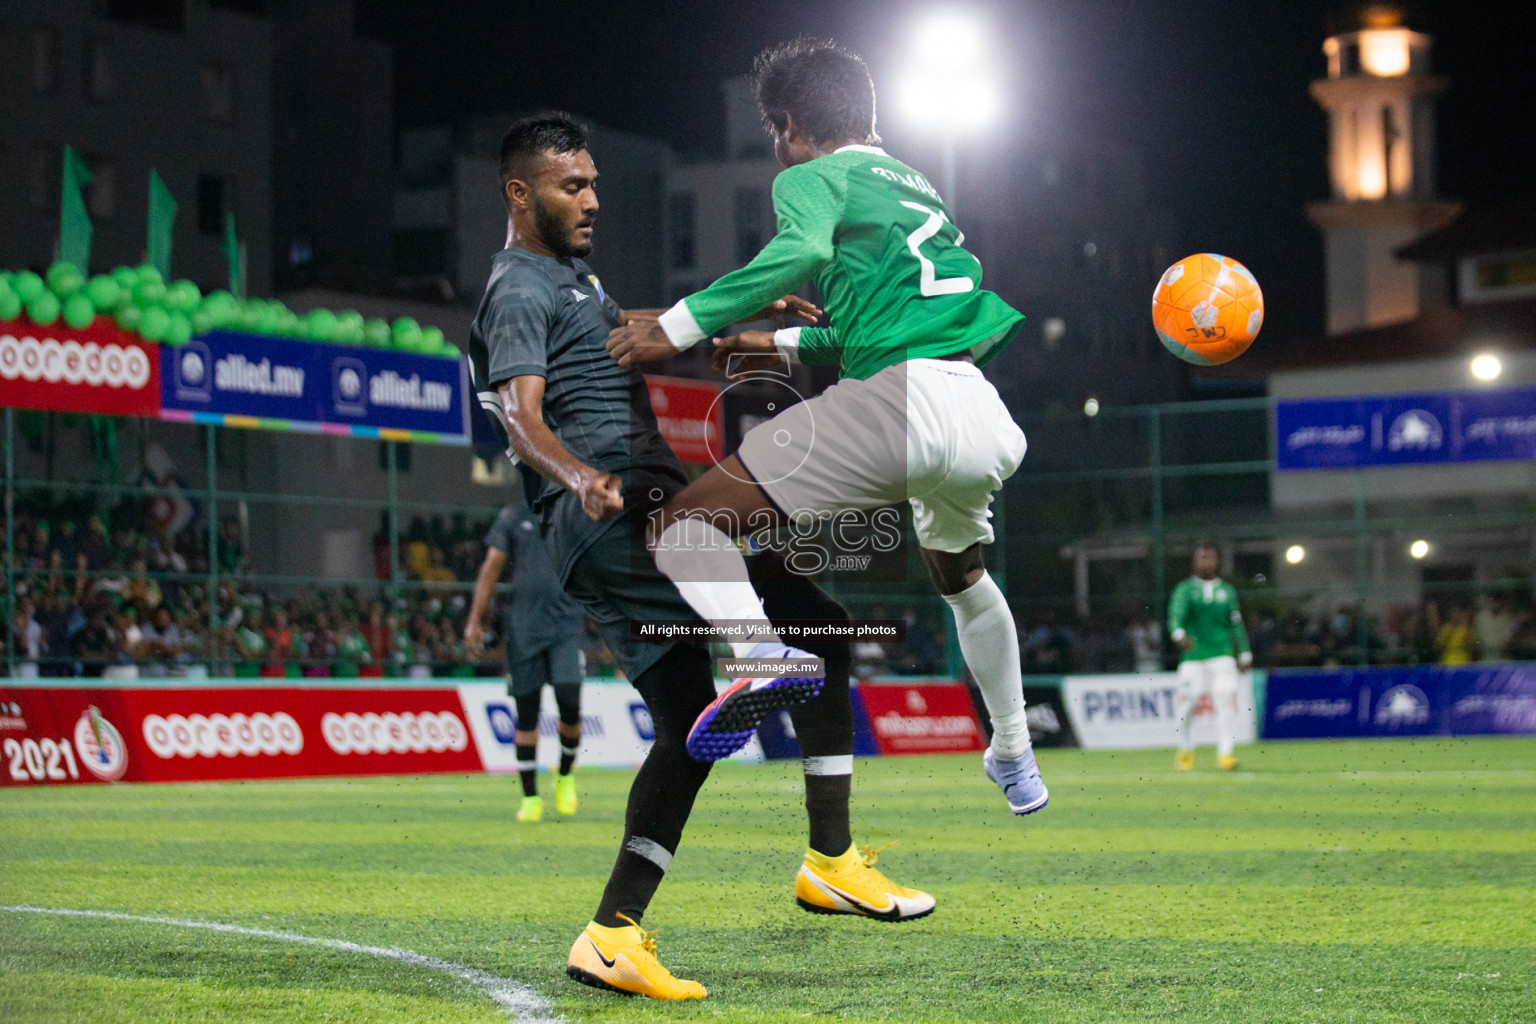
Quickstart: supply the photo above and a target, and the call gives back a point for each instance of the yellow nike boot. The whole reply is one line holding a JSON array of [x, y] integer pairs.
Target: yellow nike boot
[[1226, 762], [849, 884], [1184, 760], [624, 960], [565, 794], [531, 809]]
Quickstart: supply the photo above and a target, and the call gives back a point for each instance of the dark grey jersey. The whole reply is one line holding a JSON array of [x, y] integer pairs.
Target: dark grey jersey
[[550, 318], [542, 614]]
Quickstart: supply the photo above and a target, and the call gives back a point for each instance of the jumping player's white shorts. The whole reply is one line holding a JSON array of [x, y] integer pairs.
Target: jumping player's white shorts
[[930, 431]]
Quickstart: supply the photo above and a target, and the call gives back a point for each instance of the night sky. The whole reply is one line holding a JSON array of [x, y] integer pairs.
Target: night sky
[[1213, 94]]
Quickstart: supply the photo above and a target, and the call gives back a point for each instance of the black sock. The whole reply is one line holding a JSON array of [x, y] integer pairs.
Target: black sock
[[826, 805], [676, 689], [633, 882], [568, 745], [528, 768], [824, 726]]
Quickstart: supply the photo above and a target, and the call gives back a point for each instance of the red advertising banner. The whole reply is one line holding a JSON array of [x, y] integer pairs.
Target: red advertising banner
[[67, 735], [100, 369], [925, 718], [691, 417]]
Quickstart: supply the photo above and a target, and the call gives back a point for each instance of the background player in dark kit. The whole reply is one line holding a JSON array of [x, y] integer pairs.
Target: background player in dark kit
[[544, 635], [593, 462]]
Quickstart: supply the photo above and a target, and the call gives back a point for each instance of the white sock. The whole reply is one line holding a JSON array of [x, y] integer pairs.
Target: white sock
[[1225, 699], [991, 649], [711, 574], [1184, 711]]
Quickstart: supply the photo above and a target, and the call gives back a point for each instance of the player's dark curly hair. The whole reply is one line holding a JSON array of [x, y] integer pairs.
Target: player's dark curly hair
[[825, 88], [549, 132]]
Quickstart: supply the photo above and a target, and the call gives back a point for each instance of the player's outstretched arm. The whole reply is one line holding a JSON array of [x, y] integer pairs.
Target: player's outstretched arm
[[522, 404], [485, 583], [643, 338], [750, 352]]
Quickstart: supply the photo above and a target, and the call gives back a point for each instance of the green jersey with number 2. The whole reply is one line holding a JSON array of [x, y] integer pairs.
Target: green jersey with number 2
[[887, 258]]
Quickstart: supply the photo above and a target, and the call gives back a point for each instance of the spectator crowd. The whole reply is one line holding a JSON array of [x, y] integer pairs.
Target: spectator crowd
[[128, 595], [1446, 630]]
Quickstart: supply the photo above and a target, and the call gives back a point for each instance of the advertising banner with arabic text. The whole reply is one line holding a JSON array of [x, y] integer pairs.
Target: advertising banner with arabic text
[[1401, 430]]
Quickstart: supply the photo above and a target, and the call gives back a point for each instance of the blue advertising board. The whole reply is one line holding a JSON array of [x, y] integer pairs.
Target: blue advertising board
[[776, 733], [230, 378], [1399, 430], [1424, 700]]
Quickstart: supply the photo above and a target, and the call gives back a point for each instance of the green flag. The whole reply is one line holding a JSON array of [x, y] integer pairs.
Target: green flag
[[162, 214], [74, 221], [232, 256]]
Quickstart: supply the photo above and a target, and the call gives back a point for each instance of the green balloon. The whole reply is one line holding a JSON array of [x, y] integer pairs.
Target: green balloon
[[126, 277], [219, 298], [405, 325], [376, 333], [6, 277], [44, 308], [130, 318], [202, 323], [432, 339], [180, 330], [78, 311], [320, 324], [222, 315], [288, 323], [64, 279], [104, 293], [10, 304], [28, 285], [349, 328], [407, 338], [183, 297], [155, 323], [149, 272], [251, 315], [148, 293]]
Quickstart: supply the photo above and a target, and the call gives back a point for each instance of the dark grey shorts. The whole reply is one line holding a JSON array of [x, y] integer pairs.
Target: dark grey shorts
[[557, 665], [616, 580]]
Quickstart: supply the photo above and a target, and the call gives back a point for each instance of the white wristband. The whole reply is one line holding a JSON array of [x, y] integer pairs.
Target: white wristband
[[681, 329], [1178, 635], [788, 341]]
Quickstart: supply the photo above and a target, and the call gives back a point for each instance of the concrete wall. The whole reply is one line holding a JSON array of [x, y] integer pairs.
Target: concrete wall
[[1450, 506], [333, 152], [1402, 483], [151, 117], [1366, 284], [713, 187]]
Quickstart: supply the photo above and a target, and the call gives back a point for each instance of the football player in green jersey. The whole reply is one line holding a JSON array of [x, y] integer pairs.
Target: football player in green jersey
[[911, 419], [1204, 620]]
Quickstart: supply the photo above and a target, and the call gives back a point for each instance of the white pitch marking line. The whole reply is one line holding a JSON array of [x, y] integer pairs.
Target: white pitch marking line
[[518, 1001]]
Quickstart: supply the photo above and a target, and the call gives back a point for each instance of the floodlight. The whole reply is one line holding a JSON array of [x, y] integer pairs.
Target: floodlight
[[1486, 366]]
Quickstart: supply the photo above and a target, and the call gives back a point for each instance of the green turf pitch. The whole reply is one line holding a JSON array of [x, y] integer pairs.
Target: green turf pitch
[[1325, 882]]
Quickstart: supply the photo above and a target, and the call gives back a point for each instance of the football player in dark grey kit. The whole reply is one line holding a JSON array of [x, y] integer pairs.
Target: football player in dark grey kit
[[544, 634]]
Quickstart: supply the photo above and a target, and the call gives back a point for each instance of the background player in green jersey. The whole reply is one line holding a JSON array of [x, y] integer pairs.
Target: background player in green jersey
[[1204, 620], [912, 418]]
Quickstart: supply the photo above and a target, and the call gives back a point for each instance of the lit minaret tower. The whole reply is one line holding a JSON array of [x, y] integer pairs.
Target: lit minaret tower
[[1380, 99]]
